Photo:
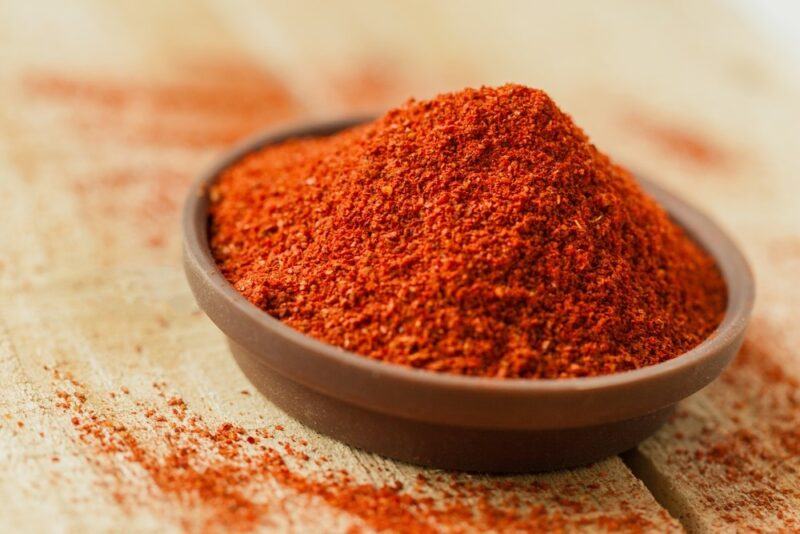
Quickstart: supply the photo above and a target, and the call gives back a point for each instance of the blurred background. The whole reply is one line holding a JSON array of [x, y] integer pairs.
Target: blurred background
[[110, 108], [156, 89]]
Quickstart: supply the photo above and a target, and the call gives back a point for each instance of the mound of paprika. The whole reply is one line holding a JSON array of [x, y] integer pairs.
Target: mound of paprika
[[477, 233]]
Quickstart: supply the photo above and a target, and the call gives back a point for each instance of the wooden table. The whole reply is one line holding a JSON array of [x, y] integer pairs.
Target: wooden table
[[110, 108]]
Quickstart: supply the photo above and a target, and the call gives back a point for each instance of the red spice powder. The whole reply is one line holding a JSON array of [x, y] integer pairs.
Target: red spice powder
[[739, 448], [225, 477], [683, 142], [203, 105], [478, 233], [148, 137]]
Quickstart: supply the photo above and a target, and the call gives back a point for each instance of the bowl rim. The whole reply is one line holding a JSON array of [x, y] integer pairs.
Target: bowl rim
[[731, 262]]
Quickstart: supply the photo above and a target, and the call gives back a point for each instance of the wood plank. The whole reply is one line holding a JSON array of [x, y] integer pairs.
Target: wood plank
[[730, 459]]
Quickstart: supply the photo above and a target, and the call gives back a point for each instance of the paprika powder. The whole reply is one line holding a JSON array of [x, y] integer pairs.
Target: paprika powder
[[225, 477], [477, 233]]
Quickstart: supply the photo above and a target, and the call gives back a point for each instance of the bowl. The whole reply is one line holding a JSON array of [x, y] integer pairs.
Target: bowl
[[450, 421]]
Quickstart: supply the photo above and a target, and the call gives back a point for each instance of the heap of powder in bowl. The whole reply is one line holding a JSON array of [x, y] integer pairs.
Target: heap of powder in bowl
[[478, 233]]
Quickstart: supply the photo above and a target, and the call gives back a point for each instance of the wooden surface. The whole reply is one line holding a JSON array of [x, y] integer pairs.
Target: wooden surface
[[108, 109]]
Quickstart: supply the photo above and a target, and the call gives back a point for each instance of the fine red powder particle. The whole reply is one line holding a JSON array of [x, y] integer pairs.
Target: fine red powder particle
[[740, 445], [478, 233], [682, 143], [226, 477]]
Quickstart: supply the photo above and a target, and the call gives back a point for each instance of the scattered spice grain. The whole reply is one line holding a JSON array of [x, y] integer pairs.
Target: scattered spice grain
[[680, 142], [478, 233], [738, 450], [156, 130], [225, 478]]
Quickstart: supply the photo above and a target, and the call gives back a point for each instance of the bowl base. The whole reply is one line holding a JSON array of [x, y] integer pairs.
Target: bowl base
[[445, 446]]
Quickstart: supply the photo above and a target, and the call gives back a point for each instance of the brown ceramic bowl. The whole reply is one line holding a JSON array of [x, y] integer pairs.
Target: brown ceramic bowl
[[449, 421]]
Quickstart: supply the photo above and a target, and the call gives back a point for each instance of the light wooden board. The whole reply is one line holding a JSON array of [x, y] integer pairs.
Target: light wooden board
[[109, 110]]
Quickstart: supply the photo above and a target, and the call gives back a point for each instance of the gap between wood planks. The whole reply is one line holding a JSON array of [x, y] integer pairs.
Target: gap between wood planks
[[661, 488]]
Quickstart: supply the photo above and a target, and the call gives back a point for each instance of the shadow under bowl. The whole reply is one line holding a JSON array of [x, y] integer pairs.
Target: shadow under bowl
[[449, 421]]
